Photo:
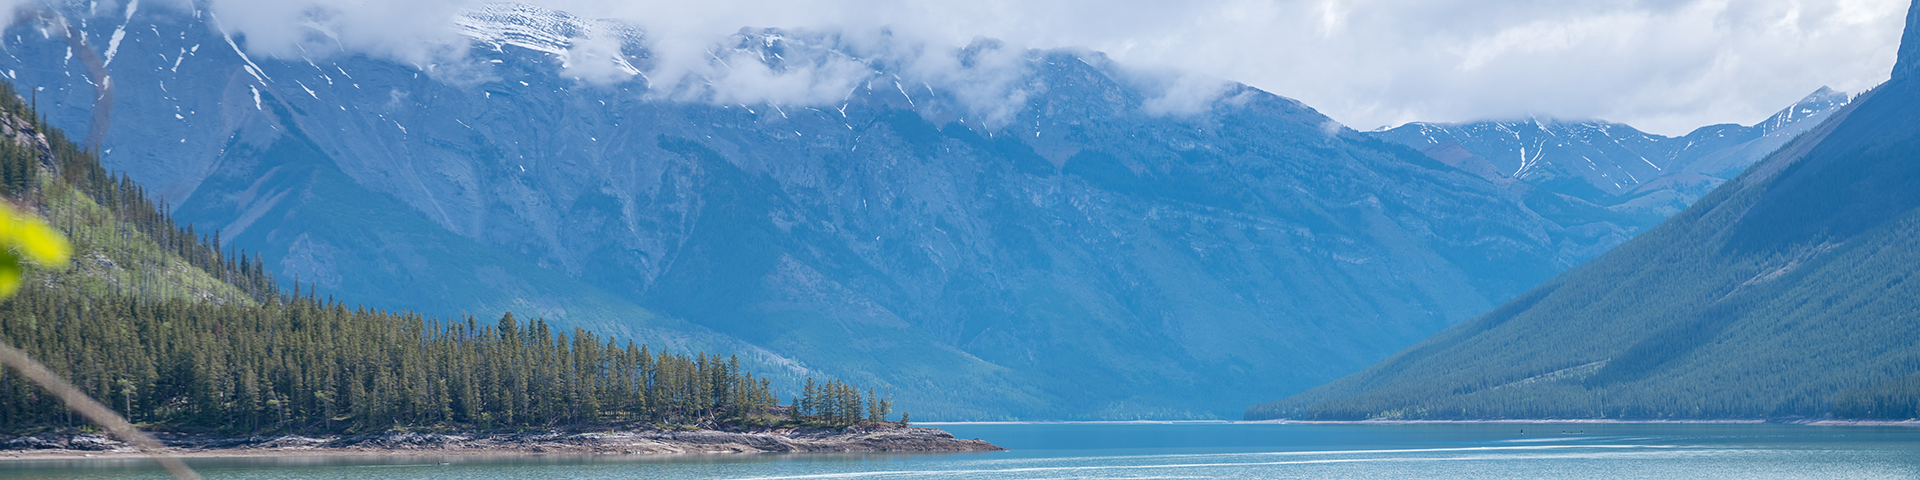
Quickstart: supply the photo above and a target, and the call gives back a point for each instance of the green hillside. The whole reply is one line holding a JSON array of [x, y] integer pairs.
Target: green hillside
[[124, 244], [1784, 293]]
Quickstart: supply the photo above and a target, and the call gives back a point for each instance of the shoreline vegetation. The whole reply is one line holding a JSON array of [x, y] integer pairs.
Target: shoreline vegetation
[[869, 438]]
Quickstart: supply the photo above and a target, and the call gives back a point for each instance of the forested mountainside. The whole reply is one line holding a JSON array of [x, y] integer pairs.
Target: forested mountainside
[[178, 331], [1643, 177], [1099, 243], [1784, 293]]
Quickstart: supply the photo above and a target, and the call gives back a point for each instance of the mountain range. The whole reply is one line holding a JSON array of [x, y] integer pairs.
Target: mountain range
[[1781, 294], [1090, 249], [1614, 165]]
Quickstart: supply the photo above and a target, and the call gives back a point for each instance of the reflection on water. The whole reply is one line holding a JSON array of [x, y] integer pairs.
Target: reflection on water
[[1181, 450]]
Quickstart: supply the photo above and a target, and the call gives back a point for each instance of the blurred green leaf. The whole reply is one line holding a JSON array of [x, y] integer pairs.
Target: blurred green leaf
[[26, 238]]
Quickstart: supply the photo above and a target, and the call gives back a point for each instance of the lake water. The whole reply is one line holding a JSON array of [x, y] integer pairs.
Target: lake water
[[1182, 450]]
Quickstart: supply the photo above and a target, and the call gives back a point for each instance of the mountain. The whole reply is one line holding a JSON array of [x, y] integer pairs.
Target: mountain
[[178, 333], [1076, 242], [1783, 293], [1612, 165]]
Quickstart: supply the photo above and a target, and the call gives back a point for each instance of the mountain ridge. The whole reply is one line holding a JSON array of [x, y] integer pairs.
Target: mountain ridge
[[1614, 165], [1908, 59]]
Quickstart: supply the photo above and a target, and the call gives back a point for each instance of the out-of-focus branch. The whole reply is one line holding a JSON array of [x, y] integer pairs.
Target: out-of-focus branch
[[93, 410]]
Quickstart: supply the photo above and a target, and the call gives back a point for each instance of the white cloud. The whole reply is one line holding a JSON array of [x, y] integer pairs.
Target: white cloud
[[1663, 65], [1183, 93], [596, 57], [10, 9], [416, 32], [810, 77], [985, 78]]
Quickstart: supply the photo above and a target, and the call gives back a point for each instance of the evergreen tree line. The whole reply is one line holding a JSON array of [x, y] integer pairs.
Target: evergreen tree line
[[839, 403], [306, 365], [1895, 398]]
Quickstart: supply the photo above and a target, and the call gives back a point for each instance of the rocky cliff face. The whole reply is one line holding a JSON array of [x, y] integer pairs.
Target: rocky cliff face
[[1088, 252]]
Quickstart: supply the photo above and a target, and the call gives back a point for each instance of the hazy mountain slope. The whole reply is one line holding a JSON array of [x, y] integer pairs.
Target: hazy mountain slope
[[277, 188], [272, 185], [1783, 293], [1088, 255], [1647, 176]]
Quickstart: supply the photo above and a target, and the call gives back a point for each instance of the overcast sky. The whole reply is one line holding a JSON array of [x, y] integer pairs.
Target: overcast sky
[[1665, 66]]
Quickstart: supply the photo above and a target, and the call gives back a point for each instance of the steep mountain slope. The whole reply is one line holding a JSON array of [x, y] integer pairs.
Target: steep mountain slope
[[1088, 251], [124, 245], [1783, 293], [1649, 177]]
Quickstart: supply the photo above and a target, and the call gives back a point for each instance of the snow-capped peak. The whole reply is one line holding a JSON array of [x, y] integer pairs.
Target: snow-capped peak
[[1817, 103], [521, 25]]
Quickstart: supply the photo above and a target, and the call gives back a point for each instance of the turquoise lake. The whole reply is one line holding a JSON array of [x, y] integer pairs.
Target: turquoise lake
[[1181, 450]]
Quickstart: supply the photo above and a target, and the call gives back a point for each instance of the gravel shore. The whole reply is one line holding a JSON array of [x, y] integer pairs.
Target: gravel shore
[[792, 440]]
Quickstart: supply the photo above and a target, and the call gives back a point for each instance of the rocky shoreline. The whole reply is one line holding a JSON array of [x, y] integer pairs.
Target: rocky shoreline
[[696, 442], [1523, 421]]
